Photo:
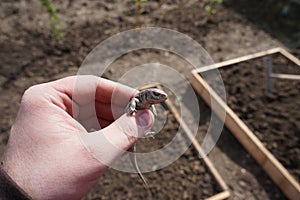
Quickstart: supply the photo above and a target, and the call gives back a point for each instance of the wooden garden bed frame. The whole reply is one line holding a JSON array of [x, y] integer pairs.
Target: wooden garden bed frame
[[225, 193], [278, 173]]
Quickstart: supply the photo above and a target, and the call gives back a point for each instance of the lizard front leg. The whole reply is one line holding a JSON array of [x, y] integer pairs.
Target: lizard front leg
[[131, 107], [152, 108]]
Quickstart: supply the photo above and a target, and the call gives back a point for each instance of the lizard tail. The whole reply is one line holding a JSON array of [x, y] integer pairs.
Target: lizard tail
[[136, 167], [146, 185]]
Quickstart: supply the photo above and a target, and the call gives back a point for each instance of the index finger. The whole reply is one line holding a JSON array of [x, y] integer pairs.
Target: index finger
[[87, 88], [115, 93]]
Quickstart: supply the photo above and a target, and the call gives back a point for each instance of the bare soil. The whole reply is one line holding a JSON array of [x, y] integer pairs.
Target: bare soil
[[272, 116], [186, 178], [29, 55]]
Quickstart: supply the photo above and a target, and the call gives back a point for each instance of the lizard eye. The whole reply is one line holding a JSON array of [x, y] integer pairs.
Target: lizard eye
[[156, 94]]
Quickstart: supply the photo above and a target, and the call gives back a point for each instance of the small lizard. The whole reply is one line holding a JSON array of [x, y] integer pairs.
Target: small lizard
[[145, 99]]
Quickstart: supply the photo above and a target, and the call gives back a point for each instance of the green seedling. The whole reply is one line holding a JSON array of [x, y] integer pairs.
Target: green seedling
[[53, 19], [210, 6], [140, 10], [138, 4]]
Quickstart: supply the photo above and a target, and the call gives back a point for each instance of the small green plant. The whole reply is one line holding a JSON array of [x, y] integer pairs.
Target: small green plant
[[54, 19], [140, 10], [138, 4], [210, 6]]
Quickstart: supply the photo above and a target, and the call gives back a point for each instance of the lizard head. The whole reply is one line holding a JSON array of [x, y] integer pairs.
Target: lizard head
[[156, 96]]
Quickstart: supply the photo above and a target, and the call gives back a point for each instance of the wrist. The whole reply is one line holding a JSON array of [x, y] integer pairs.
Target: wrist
[[14, 164], [9, 189]]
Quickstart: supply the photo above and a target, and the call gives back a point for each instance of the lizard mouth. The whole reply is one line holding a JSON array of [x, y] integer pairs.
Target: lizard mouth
[[165, 97], [162, 97]]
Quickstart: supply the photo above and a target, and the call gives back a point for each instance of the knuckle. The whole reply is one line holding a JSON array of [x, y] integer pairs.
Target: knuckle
[[30, 91], [32, 94]]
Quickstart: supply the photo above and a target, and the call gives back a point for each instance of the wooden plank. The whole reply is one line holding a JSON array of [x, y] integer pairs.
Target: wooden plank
[[238, 60], [220, 196], [150, 85], [269, 163], [285, 76], [291, 57], [197, 146]]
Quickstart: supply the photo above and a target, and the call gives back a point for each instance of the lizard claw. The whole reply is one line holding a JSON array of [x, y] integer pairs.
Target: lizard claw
[[150, 134]]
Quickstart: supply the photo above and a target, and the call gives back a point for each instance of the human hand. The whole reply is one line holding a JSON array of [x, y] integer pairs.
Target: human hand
[[48, 155]]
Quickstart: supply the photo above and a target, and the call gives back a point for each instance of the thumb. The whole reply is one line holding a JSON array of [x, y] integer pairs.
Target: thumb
[[125, 131], [111, 142]]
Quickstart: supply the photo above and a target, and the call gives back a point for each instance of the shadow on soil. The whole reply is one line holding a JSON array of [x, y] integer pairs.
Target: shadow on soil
[[278, 18]]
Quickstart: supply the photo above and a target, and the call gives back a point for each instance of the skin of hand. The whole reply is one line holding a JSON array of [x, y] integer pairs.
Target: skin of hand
[[45, 155]]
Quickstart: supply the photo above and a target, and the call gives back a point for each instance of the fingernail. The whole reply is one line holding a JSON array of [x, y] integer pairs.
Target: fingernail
[[144, 119]]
